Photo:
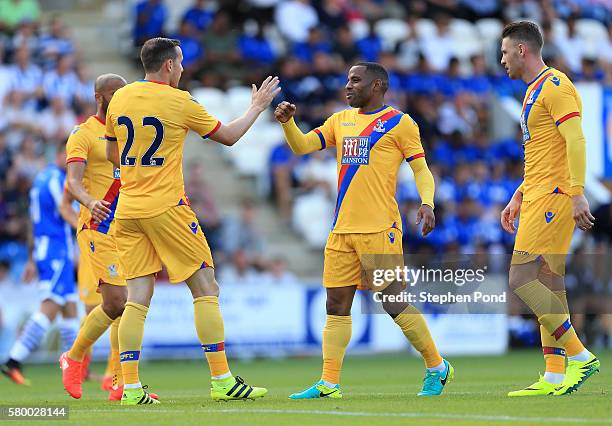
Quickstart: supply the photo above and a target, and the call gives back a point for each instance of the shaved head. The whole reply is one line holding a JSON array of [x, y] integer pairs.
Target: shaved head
[[103, 81], [105, 87]]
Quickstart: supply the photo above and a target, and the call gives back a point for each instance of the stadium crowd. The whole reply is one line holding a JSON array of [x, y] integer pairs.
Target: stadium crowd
[[45, 90], [445, 85]]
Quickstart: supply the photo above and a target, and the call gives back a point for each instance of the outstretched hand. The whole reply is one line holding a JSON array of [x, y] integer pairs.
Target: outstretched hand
[[262, 98]]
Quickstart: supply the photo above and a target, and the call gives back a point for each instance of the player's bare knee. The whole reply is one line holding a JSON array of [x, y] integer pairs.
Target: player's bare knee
[[114, 305], [50, 309], [203, 283], [391, 305], [336, 307], [520, 275], [339, 301], [69, 310]]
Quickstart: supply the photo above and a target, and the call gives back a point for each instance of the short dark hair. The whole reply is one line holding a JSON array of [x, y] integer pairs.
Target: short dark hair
[[377, 70], [525, 32], [156, 51]]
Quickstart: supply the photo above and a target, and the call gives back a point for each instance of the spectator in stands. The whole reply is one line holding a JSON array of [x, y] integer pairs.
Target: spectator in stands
[[478, 9], [192, 49], [371, 45], [6, 158], [281, 165], [16, 200], [408, 50], [58, 120], [240, 233], [5, 80], [221, 44], [200, 15], [317, 42], [572, 46], [240, 271], [451, 83], [591, 71], [550, 49], [203, 203], [263, 10], [478, 82], [319, 172], [20, 118], [514, 10], [256, 49], [61, 82], [56, 42], [14, 12], [26, 78], [151, 17], [295, 18], [457, 115], [438, 47], [84, 92], [29, 160], [332, 14], [25, 35], [277, 273], [344, 45]]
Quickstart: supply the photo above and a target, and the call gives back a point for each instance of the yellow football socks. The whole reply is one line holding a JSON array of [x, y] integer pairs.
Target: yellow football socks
[[131, 330], [551, 314], [113, 365], [413, 324], [336, 337], [96, 323], [554, 354], [209, 326]]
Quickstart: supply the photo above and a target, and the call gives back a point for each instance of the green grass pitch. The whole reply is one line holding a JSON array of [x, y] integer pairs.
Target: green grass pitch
[[377, 390]]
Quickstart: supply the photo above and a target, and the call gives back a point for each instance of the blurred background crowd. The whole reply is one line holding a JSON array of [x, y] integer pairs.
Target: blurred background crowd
[[443, 59]]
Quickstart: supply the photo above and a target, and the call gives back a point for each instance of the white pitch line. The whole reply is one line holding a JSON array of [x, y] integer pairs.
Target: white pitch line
[[362, 414]]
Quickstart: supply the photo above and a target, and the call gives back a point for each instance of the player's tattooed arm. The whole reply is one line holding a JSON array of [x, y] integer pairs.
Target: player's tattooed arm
[[100, 209], [299, 142]]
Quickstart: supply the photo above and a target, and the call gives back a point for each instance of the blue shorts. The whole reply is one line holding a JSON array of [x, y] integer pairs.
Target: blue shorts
[[55, 266]]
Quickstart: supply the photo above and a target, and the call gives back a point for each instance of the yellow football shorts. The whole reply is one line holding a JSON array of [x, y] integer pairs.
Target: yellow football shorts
[[102, 257], [88, 284], [546, 226], [351, 259], [174, 238]]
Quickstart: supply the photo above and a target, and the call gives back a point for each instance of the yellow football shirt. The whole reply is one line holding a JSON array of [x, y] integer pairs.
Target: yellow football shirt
[[149, 120], [370, 147], [551, 98], [88, 144]]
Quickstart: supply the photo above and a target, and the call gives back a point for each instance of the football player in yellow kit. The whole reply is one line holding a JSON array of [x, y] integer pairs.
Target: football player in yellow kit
[[372, 140], [146, 125], [94, 182], [551, 203]]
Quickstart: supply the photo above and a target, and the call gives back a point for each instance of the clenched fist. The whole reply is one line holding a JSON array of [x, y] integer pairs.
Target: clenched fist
[[284, 111]]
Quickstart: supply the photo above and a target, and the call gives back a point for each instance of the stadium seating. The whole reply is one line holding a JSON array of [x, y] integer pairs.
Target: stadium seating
[[392, 31]]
